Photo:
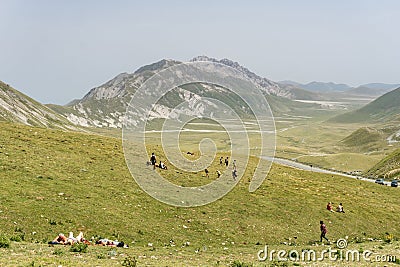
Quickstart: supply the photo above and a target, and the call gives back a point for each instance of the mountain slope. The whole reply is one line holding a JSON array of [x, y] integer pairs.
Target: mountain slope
[[384, 108], [365, 139], [366, 91], [17, 107]]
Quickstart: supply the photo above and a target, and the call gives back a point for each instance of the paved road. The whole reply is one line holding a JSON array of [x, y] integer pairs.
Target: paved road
[[306, 167]]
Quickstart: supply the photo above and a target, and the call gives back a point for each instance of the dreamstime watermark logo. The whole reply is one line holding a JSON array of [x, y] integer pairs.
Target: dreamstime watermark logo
[[341, 243], [242, 113], [310, 255]]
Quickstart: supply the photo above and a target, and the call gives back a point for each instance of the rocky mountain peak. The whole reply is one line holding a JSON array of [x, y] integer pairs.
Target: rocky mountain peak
[[157, 66], [264, 84]]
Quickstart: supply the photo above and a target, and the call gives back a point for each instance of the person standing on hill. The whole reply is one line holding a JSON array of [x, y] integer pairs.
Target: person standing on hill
[[227, 161], [153, 160], [323, 231]]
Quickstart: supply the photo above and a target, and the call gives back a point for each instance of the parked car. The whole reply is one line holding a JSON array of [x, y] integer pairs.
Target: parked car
[[380, 181], [394, 183]]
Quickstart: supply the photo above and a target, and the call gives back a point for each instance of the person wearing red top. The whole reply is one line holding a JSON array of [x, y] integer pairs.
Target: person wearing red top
[[329, 207], [323, 231]]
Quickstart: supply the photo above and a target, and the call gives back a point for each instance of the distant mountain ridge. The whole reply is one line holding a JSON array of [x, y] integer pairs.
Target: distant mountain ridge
[[105, 105], [381, 86], [373, 89], [384, 108], [319, 86], [370, 89], [330, 86]]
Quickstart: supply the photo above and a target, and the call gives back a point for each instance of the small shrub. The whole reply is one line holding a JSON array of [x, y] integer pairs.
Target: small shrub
[[18, 237], [58, 252], [4, 241], [18, 230], [112, 253], [101, 256], [79, 247], [129, 262]]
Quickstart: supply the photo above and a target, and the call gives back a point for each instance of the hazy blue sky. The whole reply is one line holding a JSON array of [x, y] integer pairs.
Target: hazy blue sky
[[56, 51]]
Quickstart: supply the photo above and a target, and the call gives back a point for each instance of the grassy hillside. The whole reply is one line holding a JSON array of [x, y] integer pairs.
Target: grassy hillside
[[347, 162], [54, 181], [365, 139], [384, 108], [389, 167]]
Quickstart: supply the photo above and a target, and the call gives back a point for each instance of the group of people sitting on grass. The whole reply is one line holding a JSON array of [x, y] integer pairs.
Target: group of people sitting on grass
[[338, 209], [61, 239]]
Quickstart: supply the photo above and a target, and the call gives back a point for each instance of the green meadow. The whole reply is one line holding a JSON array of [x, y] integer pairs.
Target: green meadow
[[55, 182]]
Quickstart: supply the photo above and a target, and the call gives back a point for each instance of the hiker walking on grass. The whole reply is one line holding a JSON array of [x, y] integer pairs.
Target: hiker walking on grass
[[323, 231], [234, 174]]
